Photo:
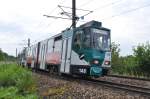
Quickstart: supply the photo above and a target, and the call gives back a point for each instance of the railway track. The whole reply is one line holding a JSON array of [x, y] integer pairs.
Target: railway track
[[130, 88], [124, 87], [127, 77]]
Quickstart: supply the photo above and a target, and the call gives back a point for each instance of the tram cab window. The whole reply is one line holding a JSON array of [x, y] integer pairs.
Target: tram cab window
[[87, 38], [101, 39], [78, 39]]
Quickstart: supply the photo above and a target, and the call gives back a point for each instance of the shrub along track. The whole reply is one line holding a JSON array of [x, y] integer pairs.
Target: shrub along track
[[123, 87]]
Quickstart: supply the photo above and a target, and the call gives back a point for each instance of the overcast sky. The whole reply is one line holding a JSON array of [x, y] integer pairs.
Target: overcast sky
[[129, 21]]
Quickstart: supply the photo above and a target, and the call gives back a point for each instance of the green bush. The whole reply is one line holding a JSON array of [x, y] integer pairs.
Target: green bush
[[16, 82], [142, 54], [12, 93], [137, 64]]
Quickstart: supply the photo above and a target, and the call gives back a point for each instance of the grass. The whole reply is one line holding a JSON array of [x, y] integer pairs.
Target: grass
[[16, 82], [133, 71]]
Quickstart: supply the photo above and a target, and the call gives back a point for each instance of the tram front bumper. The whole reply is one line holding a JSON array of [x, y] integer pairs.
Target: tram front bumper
[[95, 71]]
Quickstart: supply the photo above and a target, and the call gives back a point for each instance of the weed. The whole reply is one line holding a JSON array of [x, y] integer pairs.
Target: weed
[[16, 82]]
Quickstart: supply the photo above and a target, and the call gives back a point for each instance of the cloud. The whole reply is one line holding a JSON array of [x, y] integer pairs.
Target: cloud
[[23, 19], [130, 29]]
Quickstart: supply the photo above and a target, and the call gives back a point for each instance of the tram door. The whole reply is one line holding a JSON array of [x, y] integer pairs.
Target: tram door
[[66, 53], [34, 52], [42, 55]]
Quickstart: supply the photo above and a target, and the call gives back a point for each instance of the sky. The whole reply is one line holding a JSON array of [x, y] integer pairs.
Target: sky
[[129, 21]]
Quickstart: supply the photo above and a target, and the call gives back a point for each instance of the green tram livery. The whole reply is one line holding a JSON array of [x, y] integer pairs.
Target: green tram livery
[[86, 51]]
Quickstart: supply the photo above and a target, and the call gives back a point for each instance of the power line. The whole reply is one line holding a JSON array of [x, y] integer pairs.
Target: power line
[[66, 13], [101, 7], [88, 2], [62, 1], [109, 4], [125, 12], [76, 9], [56, 7], [55, 17], [52, 11]]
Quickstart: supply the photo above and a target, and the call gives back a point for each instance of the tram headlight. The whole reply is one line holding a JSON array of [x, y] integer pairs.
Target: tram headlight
[[107, 63], [96, 62]]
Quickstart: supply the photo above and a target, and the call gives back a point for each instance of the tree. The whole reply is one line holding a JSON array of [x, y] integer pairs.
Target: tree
[[5, 56], [142, 54], [115, 54], [1, 55], [122, 64]]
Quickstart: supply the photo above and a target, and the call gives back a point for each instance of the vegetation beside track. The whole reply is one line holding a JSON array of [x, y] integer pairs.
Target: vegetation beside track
[[5, 57], [16, 82], [137, 64]]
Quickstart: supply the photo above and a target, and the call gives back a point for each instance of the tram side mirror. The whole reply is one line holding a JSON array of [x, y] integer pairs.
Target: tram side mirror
[[81, 56]]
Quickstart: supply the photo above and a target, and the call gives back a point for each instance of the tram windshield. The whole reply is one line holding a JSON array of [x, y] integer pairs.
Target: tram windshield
[[92, 38], [100, 39]]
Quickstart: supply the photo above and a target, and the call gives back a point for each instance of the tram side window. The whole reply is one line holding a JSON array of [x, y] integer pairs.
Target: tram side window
[[86, 41], [87, 38], [78, 39], [29, 51], [58, 46], [50, 46]]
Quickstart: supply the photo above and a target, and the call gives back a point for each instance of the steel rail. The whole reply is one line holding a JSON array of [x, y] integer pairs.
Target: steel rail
[[131, 88], [127, 77], [126, 87]]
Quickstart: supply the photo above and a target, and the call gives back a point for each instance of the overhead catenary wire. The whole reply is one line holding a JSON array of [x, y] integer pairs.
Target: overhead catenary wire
[[86, 3], [89, 11], [106, 5], [101, 7], [128, 11], [124, 12], [66, 13], [76, 8], [53, 10]]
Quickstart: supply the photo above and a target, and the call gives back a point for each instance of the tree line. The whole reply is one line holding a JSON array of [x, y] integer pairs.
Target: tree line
[[137, 64], [5, 57]]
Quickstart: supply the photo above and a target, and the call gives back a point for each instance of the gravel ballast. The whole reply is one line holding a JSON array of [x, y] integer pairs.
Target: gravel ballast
[[56, 88]]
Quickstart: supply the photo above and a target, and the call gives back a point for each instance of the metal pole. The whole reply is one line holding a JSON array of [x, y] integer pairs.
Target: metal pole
[[16, 53], [73, 14], [28, 42], [17, 56]]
